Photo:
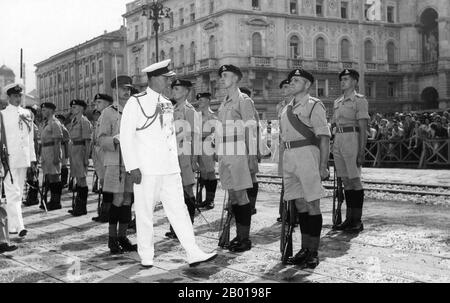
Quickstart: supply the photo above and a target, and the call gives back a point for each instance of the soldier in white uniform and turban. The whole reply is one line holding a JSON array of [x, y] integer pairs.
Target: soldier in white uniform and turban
[[19, 131], [149, 149]]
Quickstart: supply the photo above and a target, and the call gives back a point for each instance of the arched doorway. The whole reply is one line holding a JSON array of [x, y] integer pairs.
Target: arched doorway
[[430, 97], [430, 35]]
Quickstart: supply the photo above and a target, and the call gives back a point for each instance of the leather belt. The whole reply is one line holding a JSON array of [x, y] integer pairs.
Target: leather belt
[[48, 144], [298, 144], [82, 142], [348, 129]]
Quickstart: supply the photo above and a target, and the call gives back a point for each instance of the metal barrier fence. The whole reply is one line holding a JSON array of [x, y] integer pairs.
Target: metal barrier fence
[[428, 153]]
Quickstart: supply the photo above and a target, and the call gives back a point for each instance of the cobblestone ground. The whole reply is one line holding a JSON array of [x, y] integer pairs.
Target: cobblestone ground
[[402, 242]]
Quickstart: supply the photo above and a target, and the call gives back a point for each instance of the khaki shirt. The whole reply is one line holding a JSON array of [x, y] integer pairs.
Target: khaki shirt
[[80, 130], [187, 113], [108, 128], [51, 130], [304, 109], [348, 111]]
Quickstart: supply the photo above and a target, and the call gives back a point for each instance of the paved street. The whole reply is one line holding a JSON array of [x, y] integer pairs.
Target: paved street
[[403, 242]]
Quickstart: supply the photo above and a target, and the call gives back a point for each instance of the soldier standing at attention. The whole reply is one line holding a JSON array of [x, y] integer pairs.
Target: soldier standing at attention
[[117, 181], [65, 150], [19, 135], [350, 117], [80, 130], [51, 154], [306, 138], [102, 101], [285, 94], [185, 116], [206, 161], [149, 148], [234, 150]]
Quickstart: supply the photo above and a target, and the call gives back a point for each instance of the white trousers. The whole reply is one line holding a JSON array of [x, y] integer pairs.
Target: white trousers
[[169, 190], [13, 193]]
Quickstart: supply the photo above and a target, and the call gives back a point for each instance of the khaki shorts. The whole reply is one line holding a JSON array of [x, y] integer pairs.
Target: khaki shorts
[[187, 173], [345, 153], [113, 183], [77, 167], [301, 174], [235, 173]]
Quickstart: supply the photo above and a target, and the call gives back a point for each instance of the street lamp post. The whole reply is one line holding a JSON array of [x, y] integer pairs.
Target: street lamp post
[[155, 11]]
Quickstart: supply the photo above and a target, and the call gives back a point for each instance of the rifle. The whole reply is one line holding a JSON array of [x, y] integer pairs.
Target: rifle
[[224, 237], [338, 194], [288, 221]]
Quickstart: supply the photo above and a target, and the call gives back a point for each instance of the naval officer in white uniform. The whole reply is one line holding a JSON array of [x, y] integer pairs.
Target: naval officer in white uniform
[[19, 131], [149, 149]]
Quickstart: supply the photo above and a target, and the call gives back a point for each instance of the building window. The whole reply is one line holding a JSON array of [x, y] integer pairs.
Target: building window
[[161, 26], [171, 56], [93, 67], [162, 56], [136, 66], [370, 89], [345, 50], [391, 89], [294, 48], [100, 66], [344, 10], [181, 16], [136, 32], [256, 44], [87, 70], [153, 60], [322, 90], [255, 4], [293, 7], [59, 78], [192, 12], [391, 53], [192, 53], [319, 8], [181, 55], [320, 48], [171, 20], [66, 76], [212, 47], [390, 14], [368, 51], [211, 6]]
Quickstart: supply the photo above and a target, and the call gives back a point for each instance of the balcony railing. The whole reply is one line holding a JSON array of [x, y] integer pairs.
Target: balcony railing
[[393, 67], [191, 68], [429, 67], [371, 66], [179, 70], [208, 64], [261, 61], [295, 63], [347, 65], [322, 65]]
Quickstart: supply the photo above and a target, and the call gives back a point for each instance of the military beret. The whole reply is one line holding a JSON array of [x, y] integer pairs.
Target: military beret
[[13, 89], [122, 81], [203, 95], [246, 91], [349, 72], [104, 97], [284, 82], [230, 68], [79, 103], [159, 69], [180, 82], [48, 105], [301, 73]]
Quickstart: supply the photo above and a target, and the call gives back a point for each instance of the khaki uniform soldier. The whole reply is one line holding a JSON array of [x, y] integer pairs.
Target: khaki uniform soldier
[[149, 148], [51, 154], [117, 181], [207, 160], [32, 178], [306, 137], [102, 101], [80, 130], [286, 94], [65, 150], [350, 117], [184, 113], [234, 150], [252, 193]]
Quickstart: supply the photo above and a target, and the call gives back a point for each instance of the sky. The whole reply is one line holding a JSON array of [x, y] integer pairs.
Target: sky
[[44, 28]]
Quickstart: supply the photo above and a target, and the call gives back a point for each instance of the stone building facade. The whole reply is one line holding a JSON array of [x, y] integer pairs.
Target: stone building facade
[[82, 71], [403, 56]]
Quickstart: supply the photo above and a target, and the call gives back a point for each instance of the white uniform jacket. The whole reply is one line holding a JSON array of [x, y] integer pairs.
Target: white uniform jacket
[[147, 135], [19, 136]]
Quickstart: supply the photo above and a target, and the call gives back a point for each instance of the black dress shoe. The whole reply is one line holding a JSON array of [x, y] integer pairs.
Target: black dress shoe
[[344, 225], [126, 244], [242, 246], [355, 228], [4, 247], [279, 219], [234, 242], [146, 266], [171, 235], [114, 247], [299, 259], [23, 233], [312, 260], [254, 211], [209, 206]]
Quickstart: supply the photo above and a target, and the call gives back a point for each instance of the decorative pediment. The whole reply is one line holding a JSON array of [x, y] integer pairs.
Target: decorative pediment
[[210, 25], [258, 22]]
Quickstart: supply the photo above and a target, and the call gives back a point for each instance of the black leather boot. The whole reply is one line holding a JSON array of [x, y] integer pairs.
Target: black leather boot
[[348, 212], [64, 176], [114, 246], [55, 200]]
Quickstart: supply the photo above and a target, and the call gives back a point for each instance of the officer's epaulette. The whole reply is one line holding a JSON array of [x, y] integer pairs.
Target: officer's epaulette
[[142, 94], [189, 105]]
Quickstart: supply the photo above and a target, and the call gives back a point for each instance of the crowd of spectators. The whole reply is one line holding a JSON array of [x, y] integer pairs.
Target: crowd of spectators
[[409, 126]]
